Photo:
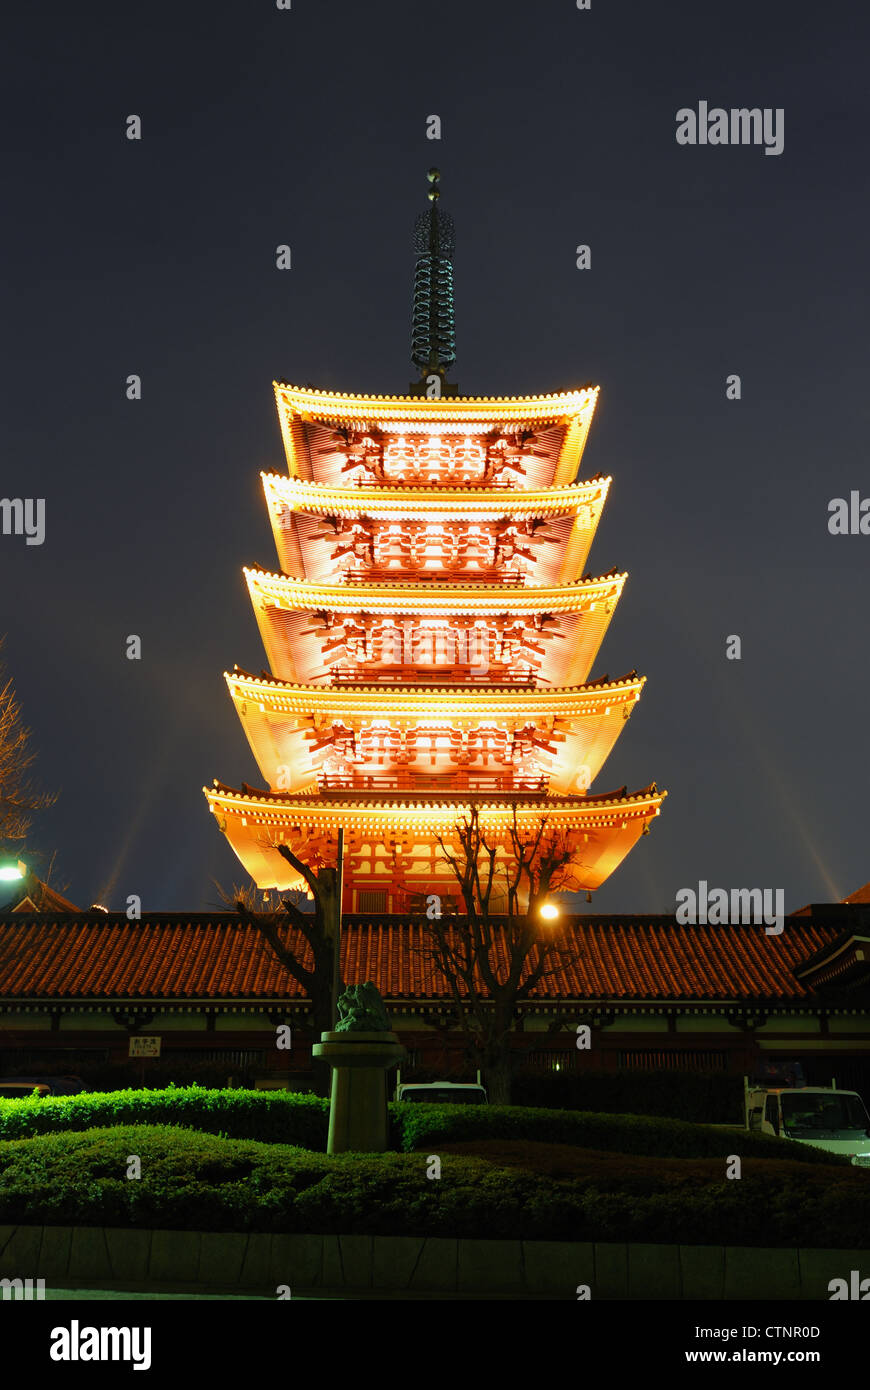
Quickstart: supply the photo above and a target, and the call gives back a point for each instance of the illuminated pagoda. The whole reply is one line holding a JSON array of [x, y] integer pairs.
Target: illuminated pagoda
[[431, 631]]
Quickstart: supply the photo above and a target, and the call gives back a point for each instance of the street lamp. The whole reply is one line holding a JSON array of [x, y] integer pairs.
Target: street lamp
[[11, 869]]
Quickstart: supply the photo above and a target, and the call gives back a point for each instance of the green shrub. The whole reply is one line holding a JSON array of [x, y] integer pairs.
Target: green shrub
[[425, 1126], [195, 1181], [279, 1117], [282, 1117]]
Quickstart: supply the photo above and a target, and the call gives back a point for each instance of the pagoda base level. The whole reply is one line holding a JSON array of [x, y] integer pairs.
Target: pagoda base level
[[358, 1116], [391, 847]]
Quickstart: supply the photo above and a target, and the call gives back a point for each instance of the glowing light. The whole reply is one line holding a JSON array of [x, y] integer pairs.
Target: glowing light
[[549, 911], [10, 872]]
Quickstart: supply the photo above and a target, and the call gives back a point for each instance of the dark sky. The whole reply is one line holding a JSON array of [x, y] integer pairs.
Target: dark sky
[[307, 127]]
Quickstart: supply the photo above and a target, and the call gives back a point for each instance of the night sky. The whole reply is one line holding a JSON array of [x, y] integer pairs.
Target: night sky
[[308, 127]]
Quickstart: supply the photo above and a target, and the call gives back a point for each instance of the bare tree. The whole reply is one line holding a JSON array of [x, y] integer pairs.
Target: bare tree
[[19, 797], [495, 953], [312, 969]]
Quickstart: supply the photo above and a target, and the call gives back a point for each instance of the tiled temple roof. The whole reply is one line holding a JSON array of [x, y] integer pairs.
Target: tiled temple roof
[[215, 959]]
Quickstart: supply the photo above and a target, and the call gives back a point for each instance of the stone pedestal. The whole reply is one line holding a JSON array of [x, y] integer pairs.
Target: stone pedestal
[[358, 1119]]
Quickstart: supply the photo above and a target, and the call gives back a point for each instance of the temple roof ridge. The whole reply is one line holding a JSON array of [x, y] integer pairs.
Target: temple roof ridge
[[515, 496], [387, 586], [431, 688], [438, 801], [434, 403]]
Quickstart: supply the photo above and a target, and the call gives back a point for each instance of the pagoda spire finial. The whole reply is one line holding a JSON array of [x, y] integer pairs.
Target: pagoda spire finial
[[433, 331]]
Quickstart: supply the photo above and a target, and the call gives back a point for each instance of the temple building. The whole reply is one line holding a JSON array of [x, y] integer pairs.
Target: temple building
[[431, 630], [75, 988]]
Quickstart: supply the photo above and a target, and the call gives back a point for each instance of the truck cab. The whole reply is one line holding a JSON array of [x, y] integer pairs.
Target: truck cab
[[836, 1121]]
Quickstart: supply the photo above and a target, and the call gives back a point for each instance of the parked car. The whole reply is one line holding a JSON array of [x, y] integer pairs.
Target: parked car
[[18, 1087]]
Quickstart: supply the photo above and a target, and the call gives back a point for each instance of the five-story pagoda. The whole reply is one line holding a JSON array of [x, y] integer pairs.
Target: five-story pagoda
[[431, 631]]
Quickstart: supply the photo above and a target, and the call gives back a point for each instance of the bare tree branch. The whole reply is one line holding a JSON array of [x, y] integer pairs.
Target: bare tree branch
[[490, 961], [19, 797]]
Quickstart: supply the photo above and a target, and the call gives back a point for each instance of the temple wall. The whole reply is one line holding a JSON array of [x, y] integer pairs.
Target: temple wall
[[245, 1044]]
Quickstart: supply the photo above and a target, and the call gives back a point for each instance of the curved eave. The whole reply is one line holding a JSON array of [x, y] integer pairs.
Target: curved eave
[[288, 728], [606, 827], [571, 411], [433, 599], [338, 407], [418, 702], [287, 613], [333, 809], [427, 503], [297, 508]]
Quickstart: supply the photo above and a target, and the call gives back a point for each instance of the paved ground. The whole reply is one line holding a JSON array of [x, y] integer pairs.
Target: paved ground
[[110, 1295], [98, 1295]]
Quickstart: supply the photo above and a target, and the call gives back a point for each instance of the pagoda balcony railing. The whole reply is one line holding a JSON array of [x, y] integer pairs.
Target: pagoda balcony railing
[[433, 675], [417, 575], [405, 781], [442, 480], [375, 475]]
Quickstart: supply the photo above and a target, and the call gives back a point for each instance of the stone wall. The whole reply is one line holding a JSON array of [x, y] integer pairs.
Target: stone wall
[[260, 1263]]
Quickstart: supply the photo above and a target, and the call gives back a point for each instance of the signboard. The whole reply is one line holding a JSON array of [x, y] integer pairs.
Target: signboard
[[144, 1047], [776, 1071]]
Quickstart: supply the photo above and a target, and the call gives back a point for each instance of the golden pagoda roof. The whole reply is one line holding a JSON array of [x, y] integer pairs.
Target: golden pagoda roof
[[437, 700], [316, 808], [434, 598], [286, 611], [254, 822], [309, 417], [428, 503], [341, 406], [297, 508], [280, 720]]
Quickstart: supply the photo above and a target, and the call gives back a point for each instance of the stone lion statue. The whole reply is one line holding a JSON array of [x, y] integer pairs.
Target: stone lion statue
[[361, 1010]]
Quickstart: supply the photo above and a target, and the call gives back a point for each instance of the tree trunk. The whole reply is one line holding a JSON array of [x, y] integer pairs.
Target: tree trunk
[[499, 1077], [321, 1022], [321, 1077]]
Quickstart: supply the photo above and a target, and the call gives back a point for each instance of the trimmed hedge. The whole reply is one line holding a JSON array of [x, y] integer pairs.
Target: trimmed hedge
[[194, 1181], [283, 1117], [280, 1117], [425, 1126]]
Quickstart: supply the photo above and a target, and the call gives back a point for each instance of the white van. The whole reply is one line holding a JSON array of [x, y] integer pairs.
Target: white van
[[441, 1092], [836, 1121]]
